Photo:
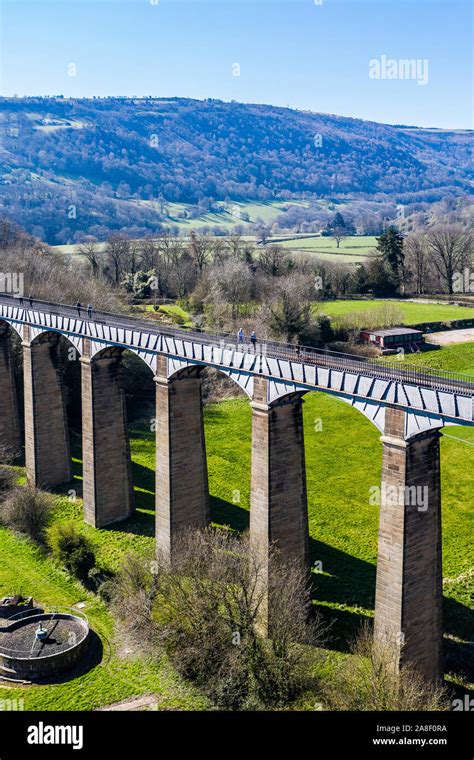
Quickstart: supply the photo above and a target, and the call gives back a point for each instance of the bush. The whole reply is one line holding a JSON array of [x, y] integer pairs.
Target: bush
[[206, 614], [73, 550], [27, 510], [7, 481], [7, 475], [369, 681]]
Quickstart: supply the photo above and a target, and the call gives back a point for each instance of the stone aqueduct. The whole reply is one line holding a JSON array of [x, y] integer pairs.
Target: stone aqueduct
[[408, 407]]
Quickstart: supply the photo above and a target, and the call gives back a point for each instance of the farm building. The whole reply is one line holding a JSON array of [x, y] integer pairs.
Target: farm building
[[394, 337]]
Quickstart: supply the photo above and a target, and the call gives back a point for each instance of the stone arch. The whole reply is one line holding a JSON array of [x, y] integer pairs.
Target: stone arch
[[10, 424], [104, 351], [11, 324], [373, 410], [181, 368], [98, 348], [37, 334], [47, 424], [416, 420]]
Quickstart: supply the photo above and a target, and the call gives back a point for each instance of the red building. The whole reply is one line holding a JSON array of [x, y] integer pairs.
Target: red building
[[393, 338]]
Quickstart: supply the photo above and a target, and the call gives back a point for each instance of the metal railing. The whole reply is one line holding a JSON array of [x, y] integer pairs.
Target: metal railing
[[385, 370]]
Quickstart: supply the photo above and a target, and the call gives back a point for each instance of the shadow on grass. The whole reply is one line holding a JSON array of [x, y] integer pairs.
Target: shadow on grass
[[346, 581], [225, 513], [140, 523], [144, 479]]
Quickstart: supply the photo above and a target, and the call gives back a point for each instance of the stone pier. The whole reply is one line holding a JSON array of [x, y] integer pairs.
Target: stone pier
[[10, 429], [278, 504], [47, 450], [182, 493], [107, 470], [408, 605]]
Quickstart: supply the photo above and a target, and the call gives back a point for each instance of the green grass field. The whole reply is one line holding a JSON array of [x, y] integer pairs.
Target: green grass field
[[411, 312], [453, 358], [399, 312], [226, 219], [118, 676], [343, 459], [352, 249]]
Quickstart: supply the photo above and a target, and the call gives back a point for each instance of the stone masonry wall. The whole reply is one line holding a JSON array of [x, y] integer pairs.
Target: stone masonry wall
[[278, 511], [107, 472], [182, 494], [408, 608], [47, 450], [10, 430]]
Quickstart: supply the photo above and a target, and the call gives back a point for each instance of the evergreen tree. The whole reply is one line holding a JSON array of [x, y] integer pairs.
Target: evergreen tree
[[390, 245], [338, 221]]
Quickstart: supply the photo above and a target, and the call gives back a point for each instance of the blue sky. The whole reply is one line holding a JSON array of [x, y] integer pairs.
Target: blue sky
[[290, 52]]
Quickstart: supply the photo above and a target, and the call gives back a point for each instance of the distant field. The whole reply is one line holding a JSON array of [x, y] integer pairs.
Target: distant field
[[228, 217], [351, 250], [413, 313]]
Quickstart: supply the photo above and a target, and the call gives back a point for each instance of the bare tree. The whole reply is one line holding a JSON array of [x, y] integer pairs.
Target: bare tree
[[232, 282], [9, 232], [263, 232], [273, 260], [339, 234], [219, 251], [416, 260], [148, 253], [181, 269], [289, 314], [118, 252], [57, 278], [451, 249], [369, 681], [206, 612], [89, 248], [199, 249], [163, 205], [234, 244]]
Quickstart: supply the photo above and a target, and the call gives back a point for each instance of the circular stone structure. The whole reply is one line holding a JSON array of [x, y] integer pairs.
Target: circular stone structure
[[26, 655]]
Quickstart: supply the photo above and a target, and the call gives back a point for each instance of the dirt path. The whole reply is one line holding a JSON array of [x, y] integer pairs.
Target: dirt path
[[451, 336], [145, 702]]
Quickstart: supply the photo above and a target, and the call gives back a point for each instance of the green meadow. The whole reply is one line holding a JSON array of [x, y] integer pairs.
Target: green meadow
[[411, 312], [352, 250], [453, 358], [343, 460]]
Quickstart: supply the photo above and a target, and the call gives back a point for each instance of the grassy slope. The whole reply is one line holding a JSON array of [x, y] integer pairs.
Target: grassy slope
[[23, 568], [343, 461], [413, 313], [267, 211], [452, 358]]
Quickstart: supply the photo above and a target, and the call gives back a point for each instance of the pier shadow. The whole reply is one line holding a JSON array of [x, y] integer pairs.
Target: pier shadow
[[345, 581], [228, 514]]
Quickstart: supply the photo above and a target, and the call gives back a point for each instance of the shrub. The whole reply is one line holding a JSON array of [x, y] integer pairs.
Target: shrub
[[73, 550], [7, 475], [368, 681], [206, 612], [7, 481], [101, 582], [27, 510]]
